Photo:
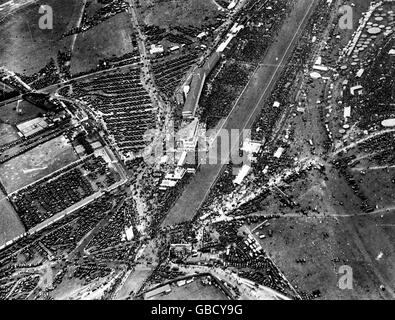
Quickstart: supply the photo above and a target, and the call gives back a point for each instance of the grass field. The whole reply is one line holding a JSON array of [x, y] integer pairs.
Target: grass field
[[10, 225], [9, 115], [108, 39], [5, 87], [178, 12], [7, 134], [25, 48], [194, 291], [36, 163], [378, 186], [326, 244]]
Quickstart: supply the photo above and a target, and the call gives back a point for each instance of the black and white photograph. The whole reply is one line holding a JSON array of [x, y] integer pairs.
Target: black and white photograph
[[188, 156]]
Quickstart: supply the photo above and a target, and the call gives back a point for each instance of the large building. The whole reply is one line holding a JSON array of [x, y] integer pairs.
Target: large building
[[198, 80], [194, 94], [31, 127], [161, 290]]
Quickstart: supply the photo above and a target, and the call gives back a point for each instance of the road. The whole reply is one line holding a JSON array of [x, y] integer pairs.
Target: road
[[245, 110], [75, 35], [364, 139], [248, 291], [11, 7]]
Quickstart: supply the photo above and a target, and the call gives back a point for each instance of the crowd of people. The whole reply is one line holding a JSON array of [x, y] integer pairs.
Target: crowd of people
[[342, 165], [263, 126], [169, 72], [90, 271], [261, 27], [60, 239], [22, 290], [249, 46], [64, 59], [113, 234], [236, 252], [373, 106], [57, 192], [65, 237], [45, 77], [125, 105], [217, 102], [41, 201]]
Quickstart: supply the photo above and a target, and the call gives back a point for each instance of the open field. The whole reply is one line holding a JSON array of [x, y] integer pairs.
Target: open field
[[326, 244], [7, 134], [108, 39], [178, 12], [378, 185], [193, 291], [25, 48], [10, 225], [9, 115], [36, 163]]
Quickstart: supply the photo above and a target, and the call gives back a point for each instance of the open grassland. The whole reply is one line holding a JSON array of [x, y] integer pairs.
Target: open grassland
[[10, 225], [9, 115], [109, 39], [7, 134], [378, 184], [36, 163], [326, 244], [178, 12], [25, 48]]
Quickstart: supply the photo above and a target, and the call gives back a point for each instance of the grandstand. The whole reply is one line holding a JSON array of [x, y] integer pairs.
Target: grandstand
[[194, 94], [198, 80]]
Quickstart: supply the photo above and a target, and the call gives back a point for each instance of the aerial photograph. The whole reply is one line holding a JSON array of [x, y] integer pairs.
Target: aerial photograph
[[200, 150]]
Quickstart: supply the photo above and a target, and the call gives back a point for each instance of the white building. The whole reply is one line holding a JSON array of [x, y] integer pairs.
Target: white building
[[156, 49], [278, 153], [245, 169]]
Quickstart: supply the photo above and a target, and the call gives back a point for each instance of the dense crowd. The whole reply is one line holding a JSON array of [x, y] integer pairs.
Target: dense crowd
[[377, 81], [249, 46], [263, 126], [217, 102], [57, 192], [255, 265], [169, 72], [60, 239], [125, 104]]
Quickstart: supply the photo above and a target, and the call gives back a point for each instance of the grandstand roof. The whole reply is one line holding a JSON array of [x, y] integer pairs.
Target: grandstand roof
[[194, 93], [199, 77], [157, 291], [211, 62]]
